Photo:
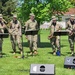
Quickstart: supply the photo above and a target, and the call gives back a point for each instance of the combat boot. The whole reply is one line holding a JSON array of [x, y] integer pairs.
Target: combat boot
[[35, 52]]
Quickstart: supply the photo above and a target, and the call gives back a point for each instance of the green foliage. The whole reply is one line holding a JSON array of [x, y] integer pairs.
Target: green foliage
[[60, 6], [43, 9], [7, 8], [72, 2]]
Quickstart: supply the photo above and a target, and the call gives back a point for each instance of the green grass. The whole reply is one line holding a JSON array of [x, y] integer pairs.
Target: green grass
[[9, 65]]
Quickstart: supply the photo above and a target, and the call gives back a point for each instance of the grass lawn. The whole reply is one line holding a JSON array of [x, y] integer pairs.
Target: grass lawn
[[9, 65]]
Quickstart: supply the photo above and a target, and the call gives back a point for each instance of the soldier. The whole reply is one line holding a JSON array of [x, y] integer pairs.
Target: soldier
[[15, 34], [71, 28], [32, 39], [2, 26], [55, 40]]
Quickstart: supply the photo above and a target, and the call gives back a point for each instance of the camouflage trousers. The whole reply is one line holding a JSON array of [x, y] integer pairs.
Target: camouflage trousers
[[71, 42], [55, 42], [1, 42], [16, 40], [32, 40]]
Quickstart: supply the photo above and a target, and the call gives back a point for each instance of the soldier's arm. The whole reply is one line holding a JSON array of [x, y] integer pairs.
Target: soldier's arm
[[5, 21], [3, 27], [60, 27], [51, 31], [10, 27], [37, 26], [68, 28], [26, 25], [26, 28]]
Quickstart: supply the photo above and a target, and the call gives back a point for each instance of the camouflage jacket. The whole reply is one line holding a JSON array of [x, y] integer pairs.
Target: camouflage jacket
[[15, 29], [2, 26], [69, 26], [31, 25], [53, 28]]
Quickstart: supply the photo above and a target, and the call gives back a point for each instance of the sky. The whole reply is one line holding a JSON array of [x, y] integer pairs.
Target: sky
[[20, 2]]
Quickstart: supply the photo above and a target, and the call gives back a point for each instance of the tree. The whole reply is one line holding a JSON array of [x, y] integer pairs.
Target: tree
[[60, 6], [37, 7], [7, 8], [72, 2], [43, 9]]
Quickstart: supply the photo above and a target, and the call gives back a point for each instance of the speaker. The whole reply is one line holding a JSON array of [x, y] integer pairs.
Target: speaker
[[42, 69], [69, 62]]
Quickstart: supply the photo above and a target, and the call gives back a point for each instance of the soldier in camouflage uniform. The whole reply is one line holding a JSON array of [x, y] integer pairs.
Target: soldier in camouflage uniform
[[15, 34], [70, 26], [55, 40], [2, 26], [31, 24]]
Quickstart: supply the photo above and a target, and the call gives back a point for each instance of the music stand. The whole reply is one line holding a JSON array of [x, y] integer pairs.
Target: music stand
[[31, 32], [61, 33], [4, 35]]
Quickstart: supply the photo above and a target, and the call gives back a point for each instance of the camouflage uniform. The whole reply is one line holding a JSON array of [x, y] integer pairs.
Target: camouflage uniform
[[15, 34], [2, 26], [32, 39], [70, 26], [55, 41]]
